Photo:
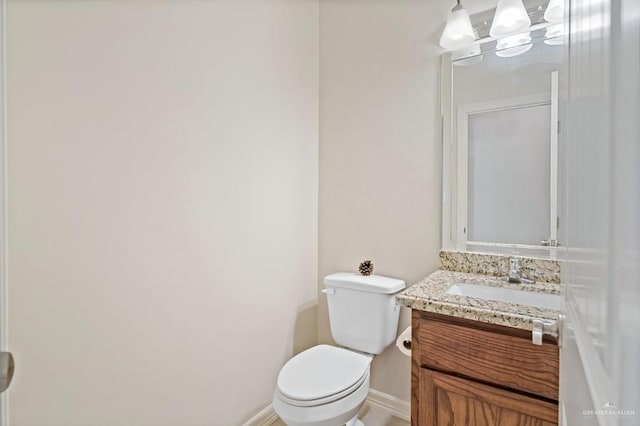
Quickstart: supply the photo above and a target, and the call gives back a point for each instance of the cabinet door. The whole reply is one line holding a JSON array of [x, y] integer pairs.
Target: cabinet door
[[453, 401]]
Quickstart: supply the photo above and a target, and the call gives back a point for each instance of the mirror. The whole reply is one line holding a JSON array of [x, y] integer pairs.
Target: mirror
[[500, 145]]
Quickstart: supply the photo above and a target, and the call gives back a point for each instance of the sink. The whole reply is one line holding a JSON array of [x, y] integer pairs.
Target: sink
[[508, 295]]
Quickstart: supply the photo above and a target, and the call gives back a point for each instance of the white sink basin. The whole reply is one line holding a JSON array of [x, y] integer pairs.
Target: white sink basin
[[508, 295]]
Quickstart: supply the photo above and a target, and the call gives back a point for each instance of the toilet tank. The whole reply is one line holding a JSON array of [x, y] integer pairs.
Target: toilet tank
[[362, 310]]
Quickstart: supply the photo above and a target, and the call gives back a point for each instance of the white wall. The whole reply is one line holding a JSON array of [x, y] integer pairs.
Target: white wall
[[380, 149], [162, 206]]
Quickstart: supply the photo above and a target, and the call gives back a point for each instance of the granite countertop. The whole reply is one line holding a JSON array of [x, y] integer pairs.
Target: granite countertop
[[430, 295]]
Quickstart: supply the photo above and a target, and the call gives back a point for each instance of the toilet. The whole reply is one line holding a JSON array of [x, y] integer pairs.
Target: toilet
[[326, 385]]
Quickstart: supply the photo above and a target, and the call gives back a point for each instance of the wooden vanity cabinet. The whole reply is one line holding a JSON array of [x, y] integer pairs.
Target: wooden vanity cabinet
[[471, 373]]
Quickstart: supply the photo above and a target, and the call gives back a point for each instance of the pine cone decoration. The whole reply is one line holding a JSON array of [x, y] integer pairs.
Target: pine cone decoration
[[366, 267]]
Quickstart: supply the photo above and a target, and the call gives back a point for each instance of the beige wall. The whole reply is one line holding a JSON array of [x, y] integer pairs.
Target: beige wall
[[163, 161], [162, 206], [380, 149]]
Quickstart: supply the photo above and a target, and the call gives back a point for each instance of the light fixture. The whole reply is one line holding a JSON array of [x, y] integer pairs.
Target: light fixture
[[554, 12], [467, 56], [515, 45], [554, 35], [458, 32], [511, 17]]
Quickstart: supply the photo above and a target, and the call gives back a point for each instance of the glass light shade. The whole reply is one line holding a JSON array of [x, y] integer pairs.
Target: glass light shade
[[515, 45], [554, 35], [458, 32], [510, 17], [555, 11]]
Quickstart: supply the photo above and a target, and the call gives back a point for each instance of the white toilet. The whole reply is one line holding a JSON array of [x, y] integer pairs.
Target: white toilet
[[326, 385]]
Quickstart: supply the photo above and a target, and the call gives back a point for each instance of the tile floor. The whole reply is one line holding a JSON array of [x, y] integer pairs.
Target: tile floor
[[371, 416]]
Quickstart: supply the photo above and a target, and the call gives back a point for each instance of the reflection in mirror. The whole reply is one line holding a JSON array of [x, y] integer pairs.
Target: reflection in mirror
[[500, 140]]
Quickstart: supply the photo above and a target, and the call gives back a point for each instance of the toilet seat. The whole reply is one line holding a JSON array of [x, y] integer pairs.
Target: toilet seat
[[333, 413], [321, 375], [326, 400]]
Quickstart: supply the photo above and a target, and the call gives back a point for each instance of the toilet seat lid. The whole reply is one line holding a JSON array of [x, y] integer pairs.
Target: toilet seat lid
[[320, 372]]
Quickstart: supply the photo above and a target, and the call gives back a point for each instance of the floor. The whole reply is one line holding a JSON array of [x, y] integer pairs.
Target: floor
[[370, 416]]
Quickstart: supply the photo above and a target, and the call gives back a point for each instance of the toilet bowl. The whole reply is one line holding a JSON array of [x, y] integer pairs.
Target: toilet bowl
[[327, 385], [322, 386]]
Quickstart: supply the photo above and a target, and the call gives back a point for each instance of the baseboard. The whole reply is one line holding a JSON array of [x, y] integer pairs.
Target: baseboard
[[394, 406], [265, 417]]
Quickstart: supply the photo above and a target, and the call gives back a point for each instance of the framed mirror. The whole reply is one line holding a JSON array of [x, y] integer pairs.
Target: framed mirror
[[500, 145]]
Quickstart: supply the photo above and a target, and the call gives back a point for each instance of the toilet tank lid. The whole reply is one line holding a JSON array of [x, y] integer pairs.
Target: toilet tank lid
[[370, 283]]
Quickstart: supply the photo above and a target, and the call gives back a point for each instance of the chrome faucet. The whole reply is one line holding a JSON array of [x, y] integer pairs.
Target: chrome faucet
[[515, 272]]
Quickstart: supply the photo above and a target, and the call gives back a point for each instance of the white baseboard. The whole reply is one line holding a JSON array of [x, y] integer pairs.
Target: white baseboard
[[392, 405], [265, 417]]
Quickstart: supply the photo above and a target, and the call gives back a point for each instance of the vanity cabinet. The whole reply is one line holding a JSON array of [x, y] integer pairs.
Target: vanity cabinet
[[472, 373]]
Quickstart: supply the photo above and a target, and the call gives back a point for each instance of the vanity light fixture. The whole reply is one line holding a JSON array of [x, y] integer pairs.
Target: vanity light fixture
[[554, 12], [511, 17], [458, 32], [514, 45]]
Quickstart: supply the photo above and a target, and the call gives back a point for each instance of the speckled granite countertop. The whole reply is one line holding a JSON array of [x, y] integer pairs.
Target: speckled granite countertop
[[430, 295]]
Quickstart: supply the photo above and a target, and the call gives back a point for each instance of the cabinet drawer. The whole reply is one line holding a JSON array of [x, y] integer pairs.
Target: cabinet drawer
[[505, 360], [450, 400]]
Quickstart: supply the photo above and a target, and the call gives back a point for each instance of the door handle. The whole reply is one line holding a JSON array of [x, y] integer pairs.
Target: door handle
[[7, 366]]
